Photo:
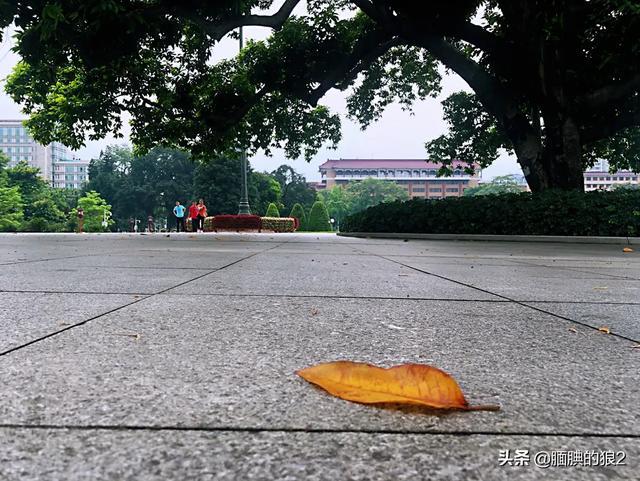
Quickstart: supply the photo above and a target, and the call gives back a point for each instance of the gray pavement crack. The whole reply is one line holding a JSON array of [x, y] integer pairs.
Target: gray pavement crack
[[142, 298]]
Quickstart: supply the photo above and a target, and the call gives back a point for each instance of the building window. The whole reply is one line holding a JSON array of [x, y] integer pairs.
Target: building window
[[435, 189], [452, 189], [419, 189]]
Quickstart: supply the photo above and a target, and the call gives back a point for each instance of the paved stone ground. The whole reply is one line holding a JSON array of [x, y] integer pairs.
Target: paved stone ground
[[150, 357]]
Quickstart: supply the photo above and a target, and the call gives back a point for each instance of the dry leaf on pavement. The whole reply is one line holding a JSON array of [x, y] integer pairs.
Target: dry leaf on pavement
[[604, 329], [627, 249], [407, 384]]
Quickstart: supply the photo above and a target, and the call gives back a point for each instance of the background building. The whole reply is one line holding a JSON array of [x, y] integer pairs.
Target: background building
[[418, 176], [56, 164], [599, 177]]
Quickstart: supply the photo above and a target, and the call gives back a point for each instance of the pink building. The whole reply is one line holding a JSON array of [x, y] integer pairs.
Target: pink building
[[418, 176]]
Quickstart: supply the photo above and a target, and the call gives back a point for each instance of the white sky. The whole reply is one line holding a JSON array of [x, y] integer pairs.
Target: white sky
[[397, 134]]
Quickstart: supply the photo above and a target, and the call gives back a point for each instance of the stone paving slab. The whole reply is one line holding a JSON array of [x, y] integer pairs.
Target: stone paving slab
[[173, 259], [230, 362], [626, 270], [319, 275], [27, 317], [534, 283], [621, 319], [74, 455], [512, 250], [63, 276]]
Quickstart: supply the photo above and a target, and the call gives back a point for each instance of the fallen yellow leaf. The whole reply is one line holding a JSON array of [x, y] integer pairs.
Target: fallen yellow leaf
[[604, 329], [409, 384], [627, 249]]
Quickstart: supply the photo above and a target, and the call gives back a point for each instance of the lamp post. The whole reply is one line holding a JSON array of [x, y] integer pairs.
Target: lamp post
[[243, 207]]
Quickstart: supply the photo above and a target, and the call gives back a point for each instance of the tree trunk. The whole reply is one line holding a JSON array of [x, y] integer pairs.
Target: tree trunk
[[556, 165]]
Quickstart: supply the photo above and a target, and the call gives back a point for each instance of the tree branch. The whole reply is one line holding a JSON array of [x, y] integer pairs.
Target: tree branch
[[607, 129], [611, 93], [363, 55], [483, 39], [217, 30]]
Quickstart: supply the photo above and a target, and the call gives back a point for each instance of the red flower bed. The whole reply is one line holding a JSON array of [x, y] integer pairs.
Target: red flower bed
[[237, 222]]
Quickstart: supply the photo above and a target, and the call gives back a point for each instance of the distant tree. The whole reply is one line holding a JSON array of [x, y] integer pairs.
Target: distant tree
[[217, 181], [319, 218], [294, 188], [94, 208], [627, 186], [370, 192], [338, 201], [264, 189], [11, 213], [44, 216], [504, 184], [28, 180], [138, 186], [272, 211], [298, 212]]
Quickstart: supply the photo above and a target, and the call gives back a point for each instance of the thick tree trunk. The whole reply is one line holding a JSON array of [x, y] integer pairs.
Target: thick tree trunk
[[555, 165]]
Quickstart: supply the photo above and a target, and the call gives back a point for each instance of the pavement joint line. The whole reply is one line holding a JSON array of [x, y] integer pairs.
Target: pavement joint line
[[255, 429], [49, 259], [142, 298], [584, 271], [520, 303], [318, 296], [21, 291]]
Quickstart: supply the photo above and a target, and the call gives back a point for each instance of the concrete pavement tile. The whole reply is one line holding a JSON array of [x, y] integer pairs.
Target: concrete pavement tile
[[79, 455], [338, 275], [535, 283], [25, 317], [621, 319], [63, 276], [218, 361]]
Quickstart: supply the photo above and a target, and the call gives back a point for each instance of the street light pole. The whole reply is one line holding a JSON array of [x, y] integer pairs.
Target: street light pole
[[243, 207]]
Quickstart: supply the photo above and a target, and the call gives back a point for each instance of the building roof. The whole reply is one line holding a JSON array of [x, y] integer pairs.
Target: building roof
[[383, 164]]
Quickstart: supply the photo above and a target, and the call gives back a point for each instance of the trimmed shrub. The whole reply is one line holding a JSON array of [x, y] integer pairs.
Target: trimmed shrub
[[272, 211], [233, 222], [208, 224], [569, 213], [318, 218], [279, 224], [298, 213]]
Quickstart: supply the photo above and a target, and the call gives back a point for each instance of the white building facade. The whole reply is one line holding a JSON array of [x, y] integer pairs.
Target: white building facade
[[56, 165], [598, 177]]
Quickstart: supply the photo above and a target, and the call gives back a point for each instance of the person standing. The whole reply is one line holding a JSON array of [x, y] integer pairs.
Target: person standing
[[150, 225], [80, 220], [193, 216], [202, 215], [178, 211]]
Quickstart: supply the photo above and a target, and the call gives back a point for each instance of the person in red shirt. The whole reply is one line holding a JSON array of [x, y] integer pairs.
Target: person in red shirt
[[202, 214], [193, 216]]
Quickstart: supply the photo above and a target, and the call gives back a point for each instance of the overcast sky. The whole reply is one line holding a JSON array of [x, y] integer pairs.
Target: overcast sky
[[398, 134]]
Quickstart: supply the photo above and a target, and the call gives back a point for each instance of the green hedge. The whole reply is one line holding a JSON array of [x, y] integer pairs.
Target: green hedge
[[318, 218], [615, 213], [279, 224], [272, 211], [298, 212]]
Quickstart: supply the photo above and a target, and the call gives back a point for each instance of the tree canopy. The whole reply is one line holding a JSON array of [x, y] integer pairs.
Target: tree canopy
[[555, 81]]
